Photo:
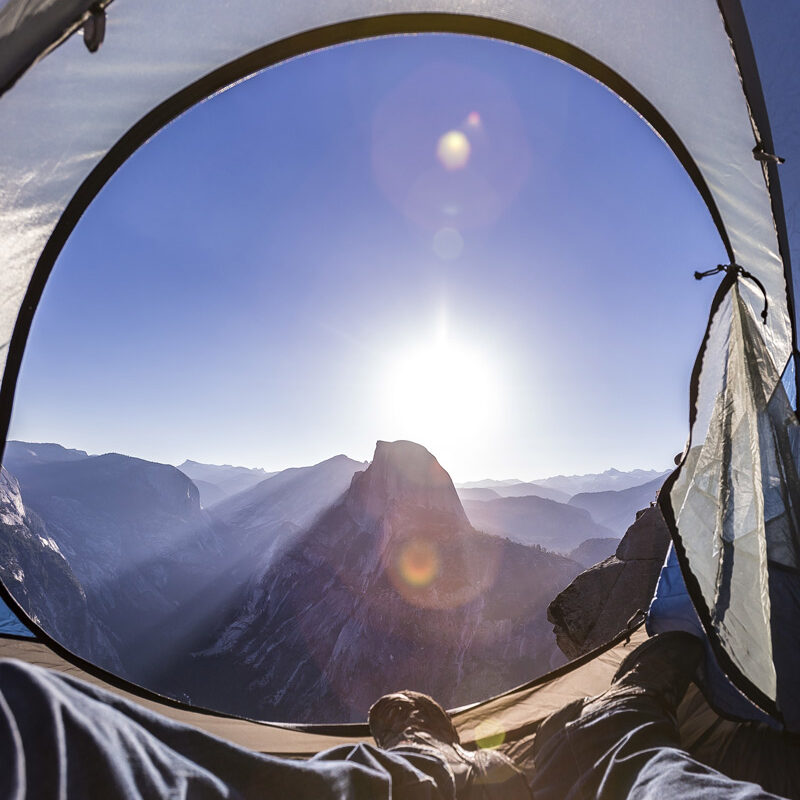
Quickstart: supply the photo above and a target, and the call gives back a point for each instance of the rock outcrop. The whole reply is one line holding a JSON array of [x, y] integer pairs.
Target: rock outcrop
[[39, 578], [136, 541], [390, 588], [599, 602]]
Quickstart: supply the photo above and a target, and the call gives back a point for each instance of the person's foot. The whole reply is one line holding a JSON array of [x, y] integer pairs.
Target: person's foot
[[411, 723], [408, 717], [664, 665], [660, 668]]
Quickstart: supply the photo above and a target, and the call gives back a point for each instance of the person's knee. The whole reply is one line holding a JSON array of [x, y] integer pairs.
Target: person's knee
[[14, 672], [24, 685]]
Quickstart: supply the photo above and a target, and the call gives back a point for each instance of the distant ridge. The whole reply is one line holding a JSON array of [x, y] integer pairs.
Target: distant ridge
[[511, 488], [218, 481], [535, 520], [40, 452], [562, 487], [611, 480], [617, 509]]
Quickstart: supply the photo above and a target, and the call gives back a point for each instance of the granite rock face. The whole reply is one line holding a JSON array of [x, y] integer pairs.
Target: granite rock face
[[39, 578], [136, 542], [390, 588], [599, 602]]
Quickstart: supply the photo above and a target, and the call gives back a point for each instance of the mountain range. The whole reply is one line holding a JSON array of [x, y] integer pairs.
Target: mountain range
[[562, 487], [535, 520], [390, 587], [304, 592], [617, 509], [215, 482], [612, 480], [611, 498]]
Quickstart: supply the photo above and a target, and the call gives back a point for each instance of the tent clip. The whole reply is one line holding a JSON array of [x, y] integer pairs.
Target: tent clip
[[94, 29], [737, 272], [760, 154]]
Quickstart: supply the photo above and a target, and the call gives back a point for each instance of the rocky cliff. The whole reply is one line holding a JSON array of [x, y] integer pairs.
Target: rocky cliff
[[137, 542], [599, 602], [39, 578], [390, 588]]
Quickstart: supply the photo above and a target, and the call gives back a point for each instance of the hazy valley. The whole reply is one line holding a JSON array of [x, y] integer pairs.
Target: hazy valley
[[303, 594]]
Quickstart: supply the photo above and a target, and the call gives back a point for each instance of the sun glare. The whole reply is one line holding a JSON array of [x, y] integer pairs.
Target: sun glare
[[441, 392]]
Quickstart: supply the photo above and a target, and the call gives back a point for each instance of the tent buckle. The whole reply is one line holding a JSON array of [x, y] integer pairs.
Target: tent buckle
[[94, 29], [760, 154]]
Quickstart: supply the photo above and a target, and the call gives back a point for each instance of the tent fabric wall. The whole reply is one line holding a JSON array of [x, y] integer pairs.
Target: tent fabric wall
[[727, 522], [779, 75], [74, 116], [503, 718], [30, 29], [508, 721], [733, 505], [672, 609]]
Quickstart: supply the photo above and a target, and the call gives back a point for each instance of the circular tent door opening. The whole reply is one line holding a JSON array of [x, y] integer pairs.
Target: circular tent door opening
[[407, 285]]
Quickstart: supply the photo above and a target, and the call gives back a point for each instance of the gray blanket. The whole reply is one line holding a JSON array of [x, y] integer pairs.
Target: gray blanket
[[62, 738]]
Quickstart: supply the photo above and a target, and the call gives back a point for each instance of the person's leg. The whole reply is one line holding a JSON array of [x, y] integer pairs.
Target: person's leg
[[63, 738], [412, 724], [624, 743]]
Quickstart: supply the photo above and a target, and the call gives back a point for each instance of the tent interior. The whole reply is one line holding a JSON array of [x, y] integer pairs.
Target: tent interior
[[84, 85]]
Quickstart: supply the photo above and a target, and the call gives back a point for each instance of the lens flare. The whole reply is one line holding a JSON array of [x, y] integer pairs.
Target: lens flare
[[447, 243], [444, 168], [418, 563], [488, 735], [453, 150]]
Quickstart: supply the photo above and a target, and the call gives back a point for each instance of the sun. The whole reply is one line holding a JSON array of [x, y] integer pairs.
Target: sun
[[441, 393]]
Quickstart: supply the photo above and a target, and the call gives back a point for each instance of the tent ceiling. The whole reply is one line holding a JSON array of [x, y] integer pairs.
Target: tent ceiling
[[69, 109]]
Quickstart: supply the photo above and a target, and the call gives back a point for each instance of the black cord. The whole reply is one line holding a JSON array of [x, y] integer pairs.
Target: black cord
[[739, 272]]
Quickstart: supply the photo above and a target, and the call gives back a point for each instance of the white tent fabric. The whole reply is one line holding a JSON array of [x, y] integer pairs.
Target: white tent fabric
[[773, 36], [72, 116], [67, 111], [722, 498], [735, 503]]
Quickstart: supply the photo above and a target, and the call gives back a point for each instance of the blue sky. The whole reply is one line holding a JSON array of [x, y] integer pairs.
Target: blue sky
[[300, 266]]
